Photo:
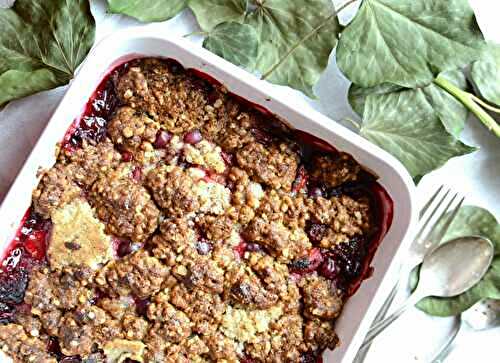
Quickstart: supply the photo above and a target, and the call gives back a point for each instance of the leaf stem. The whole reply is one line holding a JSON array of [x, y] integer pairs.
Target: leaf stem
[[468, 100], [352, 122], [202, 33], [267, 73], [485, 104]]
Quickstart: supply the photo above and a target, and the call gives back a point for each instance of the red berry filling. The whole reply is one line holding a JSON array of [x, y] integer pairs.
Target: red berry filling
[[308, 263]]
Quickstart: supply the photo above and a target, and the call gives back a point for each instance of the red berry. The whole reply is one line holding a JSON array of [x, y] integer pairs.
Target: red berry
[[228, 158], [308, 263], [141, 306], [162, 139], [328, 268], [193, 137], [203, 247], [240, 249], [137, 173], [126, 247], [300, 180], [127, 156]]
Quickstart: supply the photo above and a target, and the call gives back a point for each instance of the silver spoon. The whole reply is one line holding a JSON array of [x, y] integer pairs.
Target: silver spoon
[[481, 316], [449, 270]]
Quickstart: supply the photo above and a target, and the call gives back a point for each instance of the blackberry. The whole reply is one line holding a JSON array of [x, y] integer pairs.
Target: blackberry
[[13, 285]]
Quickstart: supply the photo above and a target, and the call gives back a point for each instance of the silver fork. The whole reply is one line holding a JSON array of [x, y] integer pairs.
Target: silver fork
[[420, 247]]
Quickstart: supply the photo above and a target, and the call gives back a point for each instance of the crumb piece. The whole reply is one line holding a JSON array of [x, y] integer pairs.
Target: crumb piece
[[132, 129], [203, 273], [275, 166], [216, 228], [124, 206], [321, 299], [213, 198], [283, 243], [171, 324], [174, 99], [89, 162], [56, 188], [137, 273], [222, 348], [244, 325], [344, 218], [75, 339], [176, 235], [54, 290], [173, 190], [22, 347], [202, 308], [320, 335], [78, 238], [117, 307], [335, 170], [244, 287], [246, 196], [281, 343], [291, 211], [205, 154], [119, 350], [238, 132]]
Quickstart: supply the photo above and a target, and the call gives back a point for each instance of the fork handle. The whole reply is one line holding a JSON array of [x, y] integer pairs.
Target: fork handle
[[361, 355], [382, 325]]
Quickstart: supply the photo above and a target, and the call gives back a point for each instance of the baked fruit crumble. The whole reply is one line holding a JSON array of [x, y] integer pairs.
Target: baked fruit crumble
[[182, 224]]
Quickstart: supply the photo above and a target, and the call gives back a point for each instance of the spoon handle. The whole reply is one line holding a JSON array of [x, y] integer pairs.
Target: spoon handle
[[380, 327], [447, 346]]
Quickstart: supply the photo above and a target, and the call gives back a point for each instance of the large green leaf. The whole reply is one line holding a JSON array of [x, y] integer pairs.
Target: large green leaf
[[407, 42], [405, 124], [212, 13], [307, 28], [238, 43], [470, 220], [450, 111], [41, 44], [485, 74], [147, 10]]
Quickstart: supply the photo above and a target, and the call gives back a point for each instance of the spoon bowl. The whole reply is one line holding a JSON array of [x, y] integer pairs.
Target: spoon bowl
[[455, 266]]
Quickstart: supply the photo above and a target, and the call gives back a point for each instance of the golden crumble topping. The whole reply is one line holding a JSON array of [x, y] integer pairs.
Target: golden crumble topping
[[189, 227]]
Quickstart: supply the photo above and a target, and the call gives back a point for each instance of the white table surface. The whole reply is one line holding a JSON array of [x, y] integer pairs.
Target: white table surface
[[477, 176]]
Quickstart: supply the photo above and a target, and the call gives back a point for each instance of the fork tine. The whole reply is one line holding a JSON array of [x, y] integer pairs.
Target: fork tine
[[434, 211], [429, 202], [438, 236], [430, 237]]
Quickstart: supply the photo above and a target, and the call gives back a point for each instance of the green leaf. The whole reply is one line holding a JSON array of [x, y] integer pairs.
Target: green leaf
[[485, 74], [147, 10], [41, 44], [450, 111], [214, 12], [405, 124], [304, 30], [15, 84], [470, 220], [408, 42], [238, 43]]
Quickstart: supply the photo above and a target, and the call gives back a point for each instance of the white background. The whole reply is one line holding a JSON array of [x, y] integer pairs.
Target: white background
[[415, 336]]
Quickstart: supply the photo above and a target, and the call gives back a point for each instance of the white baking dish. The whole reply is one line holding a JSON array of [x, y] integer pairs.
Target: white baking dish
[[359, 310]]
